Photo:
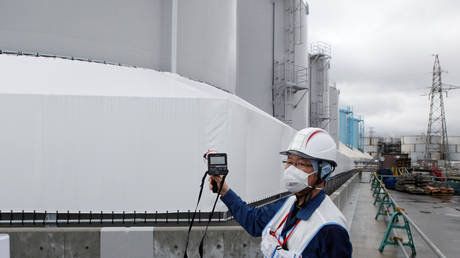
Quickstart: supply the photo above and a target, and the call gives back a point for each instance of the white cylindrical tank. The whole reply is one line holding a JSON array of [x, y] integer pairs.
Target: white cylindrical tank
[[296, 61], [300, 28], [128, 32], [319, 85], [333, 126]]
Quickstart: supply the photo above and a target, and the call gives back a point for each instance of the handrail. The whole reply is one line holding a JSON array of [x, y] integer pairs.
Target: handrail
[[37, 54], [400, 210], [433, 247], [424, 176], [396, 236]]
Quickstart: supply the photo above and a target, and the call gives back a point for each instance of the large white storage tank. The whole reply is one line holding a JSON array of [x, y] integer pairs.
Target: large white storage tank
[[230, 44], [129, 32]]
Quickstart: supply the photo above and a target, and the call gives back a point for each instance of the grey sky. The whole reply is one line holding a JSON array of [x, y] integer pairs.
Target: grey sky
[[382, 58]]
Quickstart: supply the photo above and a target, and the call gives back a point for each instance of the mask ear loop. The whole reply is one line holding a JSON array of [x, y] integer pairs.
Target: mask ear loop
[[307, 195]]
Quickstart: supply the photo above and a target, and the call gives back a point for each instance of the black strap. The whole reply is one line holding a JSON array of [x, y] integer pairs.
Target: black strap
[[194, 213], [200, 248]]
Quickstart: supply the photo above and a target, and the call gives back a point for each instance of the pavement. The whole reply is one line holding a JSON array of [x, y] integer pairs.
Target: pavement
[[438, 219]]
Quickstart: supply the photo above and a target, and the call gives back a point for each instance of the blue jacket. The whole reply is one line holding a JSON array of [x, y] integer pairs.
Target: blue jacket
[[330, 241]]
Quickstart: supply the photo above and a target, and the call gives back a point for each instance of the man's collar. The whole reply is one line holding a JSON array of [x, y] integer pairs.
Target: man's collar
[[307, 210]]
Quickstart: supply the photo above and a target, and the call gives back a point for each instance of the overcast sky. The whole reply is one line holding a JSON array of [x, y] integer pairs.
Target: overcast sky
[[382, 58]]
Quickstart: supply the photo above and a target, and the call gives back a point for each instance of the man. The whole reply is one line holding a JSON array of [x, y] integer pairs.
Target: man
[[307, 224]]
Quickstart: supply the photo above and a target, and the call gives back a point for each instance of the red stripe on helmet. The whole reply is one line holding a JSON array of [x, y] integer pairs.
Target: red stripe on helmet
[[311, 135]]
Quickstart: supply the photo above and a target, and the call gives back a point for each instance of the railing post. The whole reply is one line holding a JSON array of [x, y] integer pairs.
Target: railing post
[[393, 224], [385, 202]]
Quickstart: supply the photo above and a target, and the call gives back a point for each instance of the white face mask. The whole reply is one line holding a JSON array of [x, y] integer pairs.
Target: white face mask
[[295, 180]]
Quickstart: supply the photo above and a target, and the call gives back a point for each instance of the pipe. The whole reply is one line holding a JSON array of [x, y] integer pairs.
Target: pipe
[[273, 60], [174, 16]]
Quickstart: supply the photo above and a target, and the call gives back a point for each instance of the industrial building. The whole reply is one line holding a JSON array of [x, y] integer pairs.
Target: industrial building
[[415, 146]]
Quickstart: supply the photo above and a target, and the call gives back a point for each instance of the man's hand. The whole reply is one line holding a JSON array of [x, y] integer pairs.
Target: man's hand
[[218, 180]]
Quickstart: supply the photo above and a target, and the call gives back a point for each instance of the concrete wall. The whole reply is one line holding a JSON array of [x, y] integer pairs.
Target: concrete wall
[[49, 242], [129, 242], [341, 196], [4, 246]]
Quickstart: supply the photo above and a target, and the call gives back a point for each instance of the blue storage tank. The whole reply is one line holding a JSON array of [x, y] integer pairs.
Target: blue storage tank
[[351, 129]]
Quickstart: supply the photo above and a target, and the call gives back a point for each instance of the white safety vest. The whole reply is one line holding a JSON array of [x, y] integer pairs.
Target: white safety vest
[[326, 214]]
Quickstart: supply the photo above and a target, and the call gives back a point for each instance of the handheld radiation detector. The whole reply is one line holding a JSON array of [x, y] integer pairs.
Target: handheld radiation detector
[[217, 164]]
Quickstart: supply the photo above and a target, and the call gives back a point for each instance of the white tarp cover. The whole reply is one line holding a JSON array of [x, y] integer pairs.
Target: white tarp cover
[[84, 136], [344, 163]]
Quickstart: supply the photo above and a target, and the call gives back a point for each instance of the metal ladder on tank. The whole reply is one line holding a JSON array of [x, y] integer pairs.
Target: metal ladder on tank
[[320, 112], [290, 78]]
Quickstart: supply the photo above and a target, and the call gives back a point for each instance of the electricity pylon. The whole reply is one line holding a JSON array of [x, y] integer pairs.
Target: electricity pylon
[[436, 136]]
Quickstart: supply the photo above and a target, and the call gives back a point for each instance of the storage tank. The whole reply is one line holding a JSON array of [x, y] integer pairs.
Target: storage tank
[[290, 80], [333, 126], [229, 44], [319, 85], [129, 32]]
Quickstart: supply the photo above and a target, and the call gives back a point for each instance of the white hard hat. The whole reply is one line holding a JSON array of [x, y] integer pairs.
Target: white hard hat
[[313, 143]]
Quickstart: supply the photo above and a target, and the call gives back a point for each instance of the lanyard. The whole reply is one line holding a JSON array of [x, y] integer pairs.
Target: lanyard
[[200, 247], [273, 233]]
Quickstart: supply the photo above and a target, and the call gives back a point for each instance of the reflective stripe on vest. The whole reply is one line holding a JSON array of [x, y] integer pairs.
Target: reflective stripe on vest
[[326, 214]]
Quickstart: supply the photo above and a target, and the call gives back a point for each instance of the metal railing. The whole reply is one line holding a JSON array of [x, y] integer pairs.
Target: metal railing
[[385, 200], [37, 54], [45, 218], [338, 180], [95, 219], [320, 48], [288, 74]]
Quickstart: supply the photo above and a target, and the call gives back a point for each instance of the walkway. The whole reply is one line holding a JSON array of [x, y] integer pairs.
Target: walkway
[[439, 219]]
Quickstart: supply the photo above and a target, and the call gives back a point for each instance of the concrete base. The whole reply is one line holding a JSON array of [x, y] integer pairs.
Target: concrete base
[[129, 242], [220, 242], [55, 242], [133, 242]]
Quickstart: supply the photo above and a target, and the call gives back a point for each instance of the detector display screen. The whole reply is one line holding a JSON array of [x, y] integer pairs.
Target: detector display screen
[[217, 160]]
